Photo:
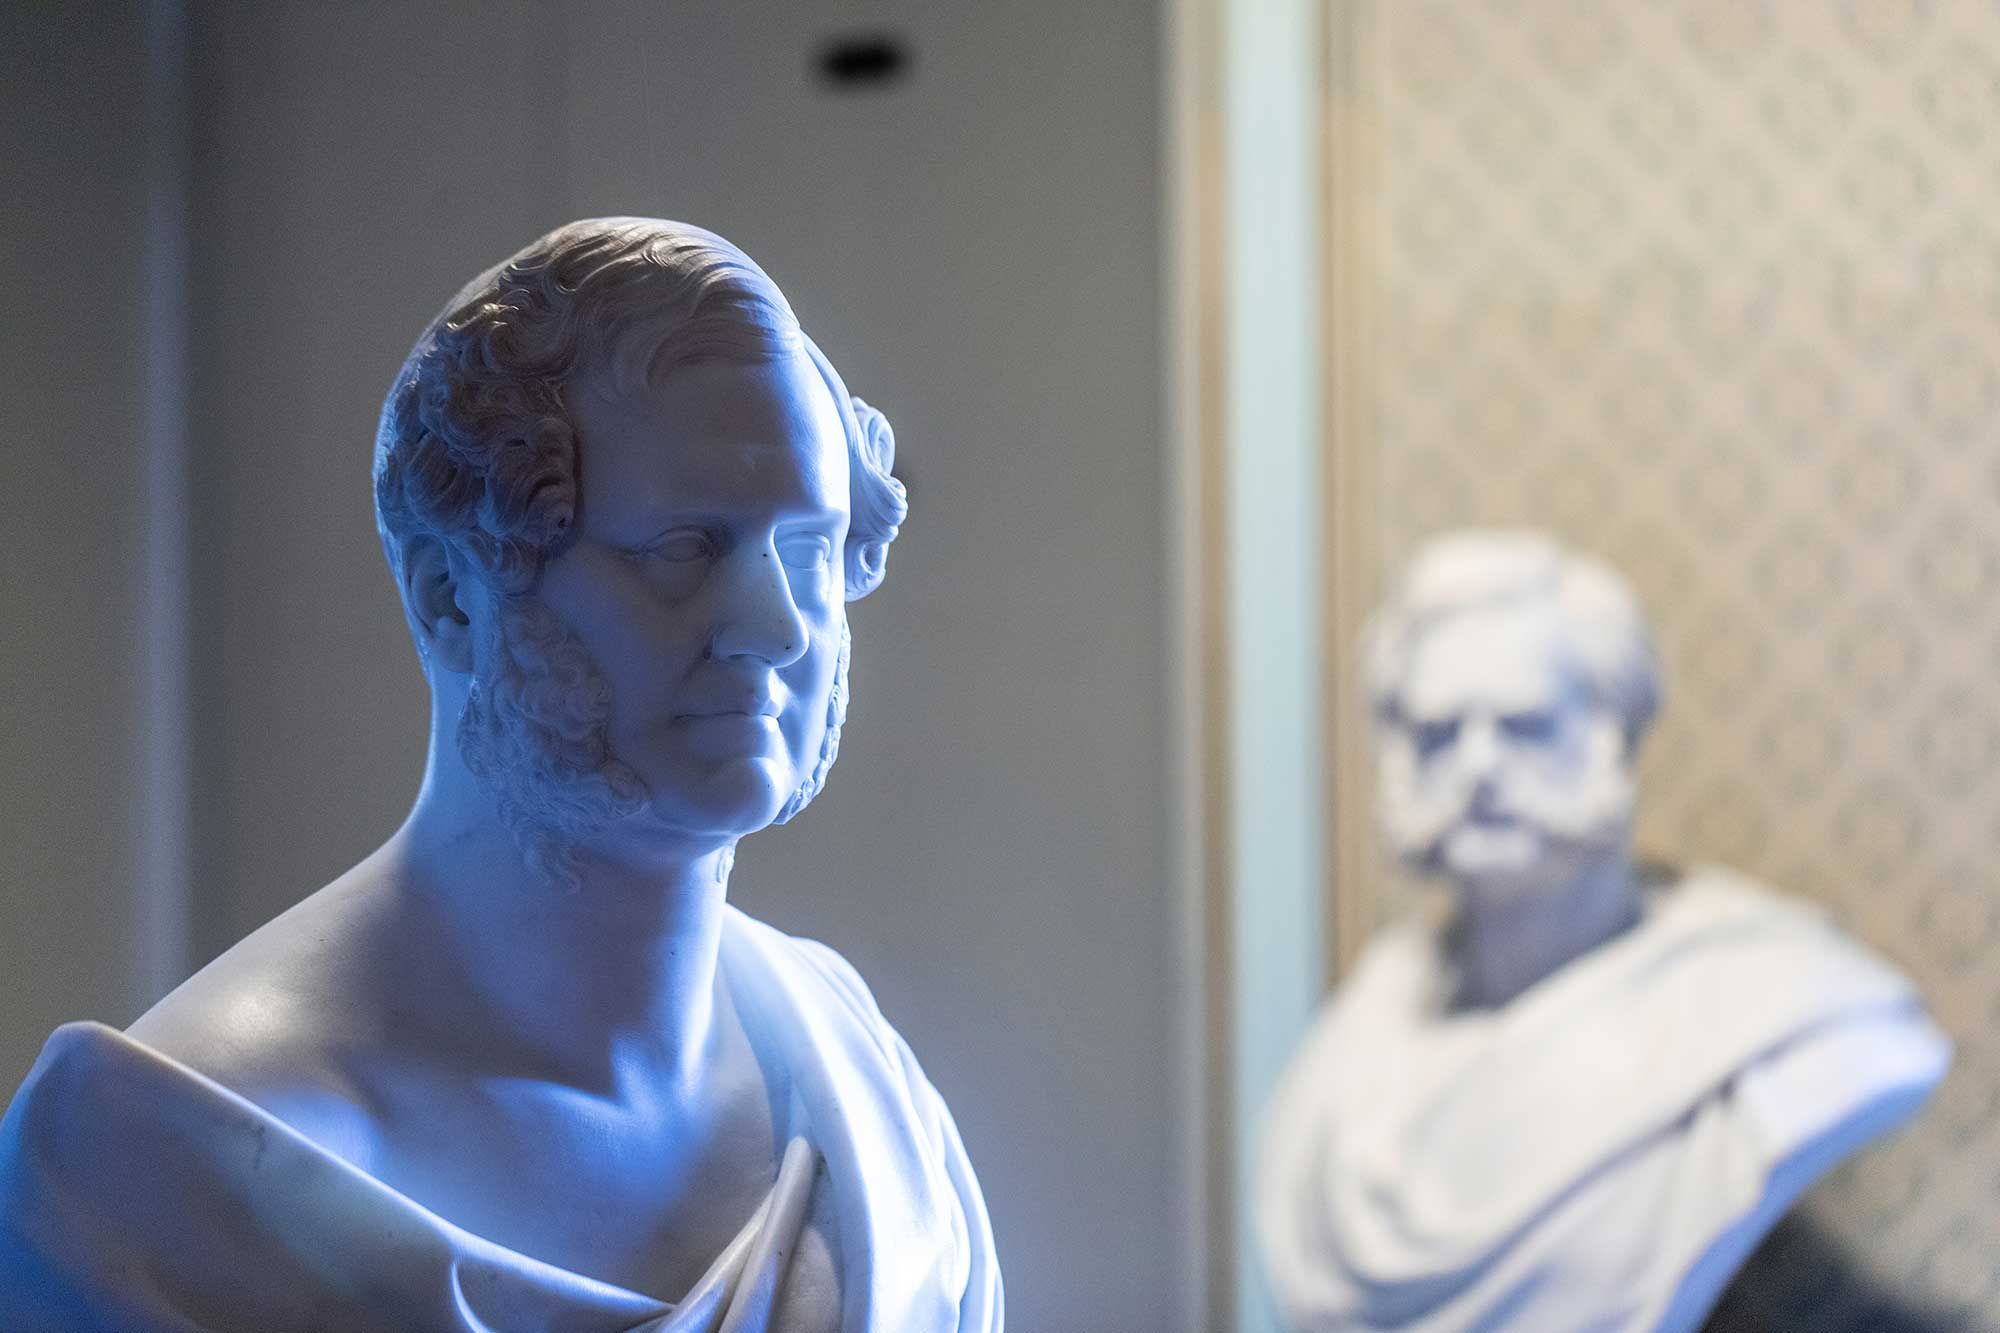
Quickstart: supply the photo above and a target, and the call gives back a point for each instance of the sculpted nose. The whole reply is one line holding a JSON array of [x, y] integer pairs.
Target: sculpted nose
[[1478, 749], [757, 616]]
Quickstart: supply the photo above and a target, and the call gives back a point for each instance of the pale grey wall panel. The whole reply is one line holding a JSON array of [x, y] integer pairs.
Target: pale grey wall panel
[[72, 235], [354, 162]]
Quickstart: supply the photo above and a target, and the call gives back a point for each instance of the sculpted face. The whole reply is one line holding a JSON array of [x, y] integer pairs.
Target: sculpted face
[[1500, 770], [705, 583]]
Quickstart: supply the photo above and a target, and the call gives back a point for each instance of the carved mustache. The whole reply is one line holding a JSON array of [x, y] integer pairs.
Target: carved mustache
[[1593, 811]]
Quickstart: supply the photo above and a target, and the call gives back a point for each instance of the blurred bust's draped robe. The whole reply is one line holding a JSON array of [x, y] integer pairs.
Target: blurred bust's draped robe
[[137, 1196], [1602, 1151]]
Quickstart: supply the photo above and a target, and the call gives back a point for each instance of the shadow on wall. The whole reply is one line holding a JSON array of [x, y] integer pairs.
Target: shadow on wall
[[1804, 1276]]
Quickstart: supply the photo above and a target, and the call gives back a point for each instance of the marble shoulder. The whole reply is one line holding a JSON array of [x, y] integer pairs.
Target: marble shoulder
[[831, 964], [1397, 965], [845, 984], [1720, 889], [249, 1023], [1713, 894], [822, 961]]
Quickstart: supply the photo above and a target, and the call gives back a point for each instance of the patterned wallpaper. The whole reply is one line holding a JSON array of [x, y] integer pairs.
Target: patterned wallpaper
[[1712, 288]]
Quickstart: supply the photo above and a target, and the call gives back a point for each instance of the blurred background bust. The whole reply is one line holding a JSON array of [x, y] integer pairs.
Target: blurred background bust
[[1579, 1096]]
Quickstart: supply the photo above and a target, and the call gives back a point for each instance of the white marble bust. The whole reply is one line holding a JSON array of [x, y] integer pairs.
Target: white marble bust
[[523, 1067], [1580, 1095]]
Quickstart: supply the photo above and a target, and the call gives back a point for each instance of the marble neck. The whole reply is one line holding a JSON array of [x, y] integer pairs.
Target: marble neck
[[1496, 948]]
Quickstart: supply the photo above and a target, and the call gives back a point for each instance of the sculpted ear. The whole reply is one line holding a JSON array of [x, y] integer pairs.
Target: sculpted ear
[[432, 591], [879, 503]]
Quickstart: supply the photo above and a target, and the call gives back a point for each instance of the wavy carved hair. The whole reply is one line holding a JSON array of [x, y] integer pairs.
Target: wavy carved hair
[[1605, 628], [475, 446], [476, 450]]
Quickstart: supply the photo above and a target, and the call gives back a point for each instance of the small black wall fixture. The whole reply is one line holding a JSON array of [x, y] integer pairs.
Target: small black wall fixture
[[862, 61]]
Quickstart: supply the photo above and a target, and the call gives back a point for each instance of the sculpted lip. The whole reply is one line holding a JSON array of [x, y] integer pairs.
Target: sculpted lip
[[733, 732], [760, 704], [733, 722], [762, 710]]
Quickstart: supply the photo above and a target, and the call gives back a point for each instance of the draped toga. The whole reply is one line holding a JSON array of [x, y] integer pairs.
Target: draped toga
[[1602, 1151], [139, 1196]]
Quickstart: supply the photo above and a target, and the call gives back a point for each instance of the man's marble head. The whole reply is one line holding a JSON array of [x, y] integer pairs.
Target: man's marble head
[[655, 495], [1512, 682]]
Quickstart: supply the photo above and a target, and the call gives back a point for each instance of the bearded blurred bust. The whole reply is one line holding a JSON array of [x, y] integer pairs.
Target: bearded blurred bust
[[523, 1067], [1579, 1097]]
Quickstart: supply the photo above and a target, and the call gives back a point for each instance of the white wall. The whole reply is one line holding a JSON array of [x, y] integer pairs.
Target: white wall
[[978, 248]]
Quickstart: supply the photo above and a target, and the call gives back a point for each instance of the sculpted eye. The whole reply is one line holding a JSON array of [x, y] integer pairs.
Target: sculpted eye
[[1433, 736], [812, 553], [679, 547], [1538, 726]]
